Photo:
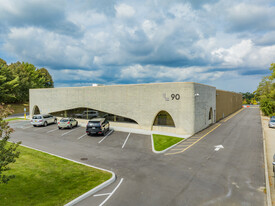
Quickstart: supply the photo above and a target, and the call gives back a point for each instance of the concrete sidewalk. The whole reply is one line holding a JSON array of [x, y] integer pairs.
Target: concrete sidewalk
[[269, 137]]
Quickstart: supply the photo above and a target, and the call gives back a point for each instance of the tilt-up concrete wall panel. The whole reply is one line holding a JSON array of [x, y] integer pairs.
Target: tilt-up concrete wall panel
[[205, 103], [227, 103], [141, 102]]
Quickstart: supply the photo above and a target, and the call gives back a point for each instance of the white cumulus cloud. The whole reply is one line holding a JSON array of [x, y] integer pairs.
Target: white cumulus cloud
[[124, 10]]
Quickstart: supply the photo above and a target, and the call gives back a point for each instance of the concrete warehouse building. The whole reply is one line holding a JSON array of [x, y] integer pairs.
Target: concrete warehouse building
[[180, 108]]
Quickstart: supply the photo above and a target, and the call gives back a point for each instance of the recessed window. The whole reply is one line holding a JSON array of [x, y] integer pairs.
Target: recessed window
[[163, 118], [36, 110], [210, 113]]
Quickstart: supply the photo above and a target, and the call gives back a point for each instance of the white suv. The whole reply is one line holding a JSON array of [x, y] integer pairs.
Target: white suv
[[43, 119]]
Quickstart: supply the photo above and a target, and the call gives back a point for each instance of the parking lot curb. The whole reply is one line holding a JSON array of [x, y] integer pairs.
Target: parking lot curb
[[90, 192], [163, 151], [267, 184]]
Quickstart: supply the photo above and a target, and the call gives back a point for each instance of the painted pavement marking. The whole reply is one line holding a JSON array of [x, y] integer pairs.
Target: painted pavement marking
[[194, 142], [81, 136], [52, 130], [106, 136], [125, 141], [70, 131], [110, 195]]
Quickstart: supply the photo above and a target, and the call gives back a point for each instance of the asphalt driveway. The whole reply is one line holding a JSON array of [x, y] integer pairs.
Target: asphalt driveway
[[199, 175]]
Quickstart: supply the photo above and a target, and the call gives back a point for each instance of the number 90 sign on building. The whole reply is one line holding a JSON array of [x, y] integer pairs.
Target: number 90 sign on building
[[173, 97]]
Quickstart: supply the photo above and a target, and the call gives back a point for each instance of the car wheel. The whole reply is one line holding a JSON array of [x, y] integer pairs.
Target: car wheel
[[71, 126], [45, 124], [55, 121], [34, 125], [59, 127], [76, 124]]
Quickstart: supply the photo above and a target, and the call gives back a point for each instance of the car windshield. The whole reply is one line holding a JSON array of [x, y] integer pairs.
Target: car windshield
[[272, 120], [94, 123], [37, 117], [64, 120]]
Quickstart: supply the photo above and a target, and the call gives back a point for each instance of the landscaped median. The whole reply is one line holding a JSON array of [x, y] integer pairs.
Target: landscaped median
[[13, 119], [161, 143], [44, 179]]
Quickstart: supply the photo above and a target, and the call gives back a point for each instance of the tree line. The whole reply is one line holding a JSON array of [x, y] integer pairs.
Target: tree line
[[249, 98], [17, 78], [265, 93]]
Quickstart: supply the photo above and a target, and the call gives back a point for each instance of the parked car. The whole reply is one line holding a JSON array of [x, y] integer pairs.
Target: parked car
[[43, 120], [67, 123], [98, 126], [87, 114], [271, 123]]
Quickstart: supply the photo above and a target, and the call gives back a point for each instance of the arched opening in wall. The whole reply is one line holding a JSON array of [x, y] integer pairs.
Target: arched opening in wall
[[35, 110], [163, 118], [88, 113], [210, 114]]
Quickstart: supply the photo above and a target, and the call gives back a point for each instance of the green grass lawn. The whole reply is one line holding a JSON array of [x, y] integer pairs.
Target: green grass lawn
[[43, 179], [12, 119], [162, 142]]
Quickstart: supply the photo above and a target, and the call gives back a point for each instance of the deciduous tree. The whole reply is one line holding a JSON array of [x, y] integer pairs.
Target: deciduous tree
[[8, 83], [266, 93], [17, 78]]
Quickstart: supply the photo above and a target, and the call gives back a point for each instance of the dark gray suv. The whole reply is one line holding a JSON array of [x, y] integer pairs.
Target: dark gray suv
[[98, 126]]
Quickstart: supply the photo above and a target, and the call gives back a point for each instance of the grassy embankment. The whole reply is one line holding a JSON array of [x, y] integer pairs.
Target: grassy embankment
[[43, 179], [162, 142], [19, 108]]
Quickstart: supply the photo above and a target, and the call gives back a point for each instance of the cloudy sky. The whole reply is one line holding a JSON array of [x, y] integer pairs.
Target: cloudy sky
[[226, 44]]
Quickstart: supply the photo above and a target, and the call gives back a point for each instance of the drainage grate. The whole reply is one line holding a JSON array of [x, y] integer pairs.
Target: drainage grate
[[84, 158]]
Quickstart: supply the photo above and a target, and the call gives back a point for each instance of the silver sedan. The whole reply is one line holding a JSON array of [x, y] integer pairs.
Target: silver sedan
[[67, 123]]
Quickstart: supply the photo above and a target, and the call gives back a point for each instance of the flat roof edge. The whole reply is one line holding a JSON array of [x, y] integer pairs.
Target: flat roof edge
[[217, 90], [122, 85]]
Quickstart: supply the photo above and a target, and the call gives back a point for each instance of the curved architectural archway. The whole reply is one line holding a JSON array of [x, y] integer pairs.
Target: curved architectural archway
[[35, 110], [163, 118]]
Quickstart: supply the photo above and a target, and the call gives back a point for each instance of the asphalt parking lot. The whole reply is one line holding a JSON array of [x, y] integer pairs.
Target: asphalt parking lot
[[113, 139], [197, 175], [113, 144]]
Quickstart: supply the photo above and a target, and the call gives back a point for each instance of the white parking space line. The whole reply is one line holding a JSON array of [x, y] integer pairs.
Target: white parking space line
[[26, 127], [105, 136], [125, 141], [20, 125], [70, 131], [39, 128], [17, 123], [111, 193], [81, 136], [52, 130]]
